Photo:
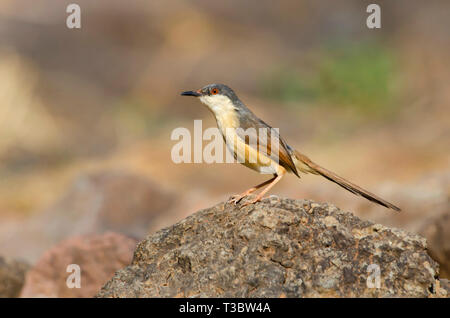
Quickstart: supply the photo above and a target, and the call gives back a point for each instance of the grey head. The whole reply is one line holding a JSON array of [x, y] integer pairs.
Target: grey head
[[215, 89], [221, 99]]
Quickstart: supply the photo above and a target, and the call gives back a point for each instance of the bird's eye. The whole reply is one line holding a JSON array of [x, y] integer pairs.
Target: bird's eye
[[214, 91]]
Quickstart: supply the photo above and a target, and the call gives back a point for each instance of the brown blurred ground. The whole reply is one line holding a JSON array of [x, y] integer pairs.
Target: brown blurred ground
[[372, 105]]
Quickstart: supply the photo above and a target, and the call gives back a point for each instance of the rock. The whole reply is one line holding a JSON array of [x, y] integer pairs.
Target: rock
[[98, 257], [12, 277], [276, 248], [438, 238]]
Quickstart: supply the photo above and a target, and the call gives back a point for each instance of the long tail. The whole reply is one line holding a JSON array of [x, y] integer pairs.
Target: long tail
[[304, 164]]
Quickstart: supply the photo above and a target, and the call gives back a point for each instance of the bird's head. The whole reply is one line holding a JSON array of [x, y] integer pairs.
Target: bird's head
[[218, 97]]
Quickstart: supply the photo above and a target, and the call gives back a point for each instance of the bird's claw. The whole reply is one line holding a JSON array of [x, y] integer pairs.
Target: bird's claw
[[250, 202], [235, 199]]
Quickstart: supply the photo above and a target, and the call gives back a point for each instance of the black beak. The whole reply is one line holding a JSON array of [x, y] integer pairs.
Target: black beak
[[191, 93]]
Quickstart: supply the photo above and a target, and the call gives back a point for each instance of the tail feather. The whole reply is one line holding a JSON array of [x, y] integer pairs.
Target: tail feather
[[305, 164]]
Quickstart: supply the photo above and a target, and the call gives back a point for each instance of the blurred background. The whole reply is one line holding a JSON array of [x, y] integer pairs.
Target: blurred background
[[86, 114]]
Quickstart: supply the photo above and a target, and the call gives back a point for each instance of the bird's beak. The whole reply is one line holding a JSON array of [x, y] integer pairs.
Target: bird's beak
[[192, 93]]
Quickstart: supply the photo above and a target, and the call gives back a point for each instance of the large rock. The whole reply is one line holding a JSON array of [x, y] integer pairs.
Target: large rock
[[98, 257], [12, 277], [277, 248]]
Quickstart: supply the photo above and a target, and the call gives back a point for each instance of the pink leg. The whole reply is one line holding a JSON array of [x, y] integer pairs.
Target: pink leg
[[261, 195], [238, 197]]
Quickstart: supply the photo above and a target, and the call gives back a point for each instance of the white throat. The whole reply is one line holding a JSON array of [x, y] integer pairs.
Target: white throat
[[218, 104], [223, 109]]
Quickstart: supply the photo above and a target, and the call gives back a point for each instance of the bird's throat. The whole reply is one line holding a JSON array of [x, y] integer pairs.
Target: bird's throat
[[224, 111]]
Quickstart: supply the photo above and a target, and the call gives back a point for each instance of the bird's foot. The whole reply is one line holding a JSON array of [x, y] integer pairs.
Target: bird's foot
[[235, 199], [249, 202]]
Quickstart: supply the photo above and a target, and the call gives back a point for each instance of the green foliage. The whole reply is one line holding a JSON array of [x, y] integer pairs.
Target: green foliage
[[360, 77], [288, 85]]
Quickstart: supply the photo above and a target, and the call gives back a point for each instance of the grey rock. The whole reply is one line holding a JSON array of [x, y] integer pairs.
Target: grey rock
[[12, 277], [276, 248]]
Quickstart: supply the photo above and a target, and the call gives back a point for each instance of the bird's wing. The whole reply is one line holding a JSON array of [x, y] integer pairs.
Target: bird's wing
[[267, 140]]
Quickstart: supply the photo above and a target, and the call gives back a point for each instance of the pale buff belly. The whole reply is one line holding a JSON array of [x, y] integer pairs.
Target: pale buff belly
[[245, 154], [226, 118], [250, 158]]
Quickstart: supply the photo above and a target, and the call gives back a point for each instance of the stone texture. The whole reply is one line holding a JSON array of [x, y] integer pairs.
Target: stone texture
[[98, 256], [12, 277], [276, 248]]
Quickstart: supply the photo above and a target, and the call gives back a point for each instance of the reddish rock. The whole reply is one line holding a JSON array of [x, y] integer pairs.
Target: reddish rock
[[98, 257]]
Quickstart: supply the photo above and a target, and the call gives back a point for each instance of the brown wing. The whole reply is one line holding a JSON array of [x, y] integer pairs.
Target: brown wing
[[260, 136]]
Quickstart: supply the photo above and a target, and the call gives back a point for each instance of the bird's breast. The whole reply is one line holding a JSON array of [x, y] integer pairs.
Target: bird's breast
[[226, 119], [245, 154]]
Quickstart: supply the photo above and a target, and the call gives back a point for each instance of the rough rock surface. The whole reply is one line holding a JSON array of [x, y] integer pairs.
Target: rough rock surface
[[98, 257], [12, 277], [276, 248]]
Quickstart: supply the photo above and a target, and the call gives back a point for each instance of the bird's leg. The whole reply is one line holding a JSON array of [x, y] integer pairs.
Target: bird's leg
[[238, 197], [261, 195]]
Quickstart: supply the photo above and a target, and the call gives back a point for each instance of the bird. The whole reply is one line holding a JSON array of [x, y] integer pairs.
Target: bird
[[234, 119]]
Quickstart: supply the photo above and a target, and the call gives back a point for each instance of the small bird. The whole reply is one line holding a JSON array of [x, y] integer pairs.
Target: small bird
[[233, 117]]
